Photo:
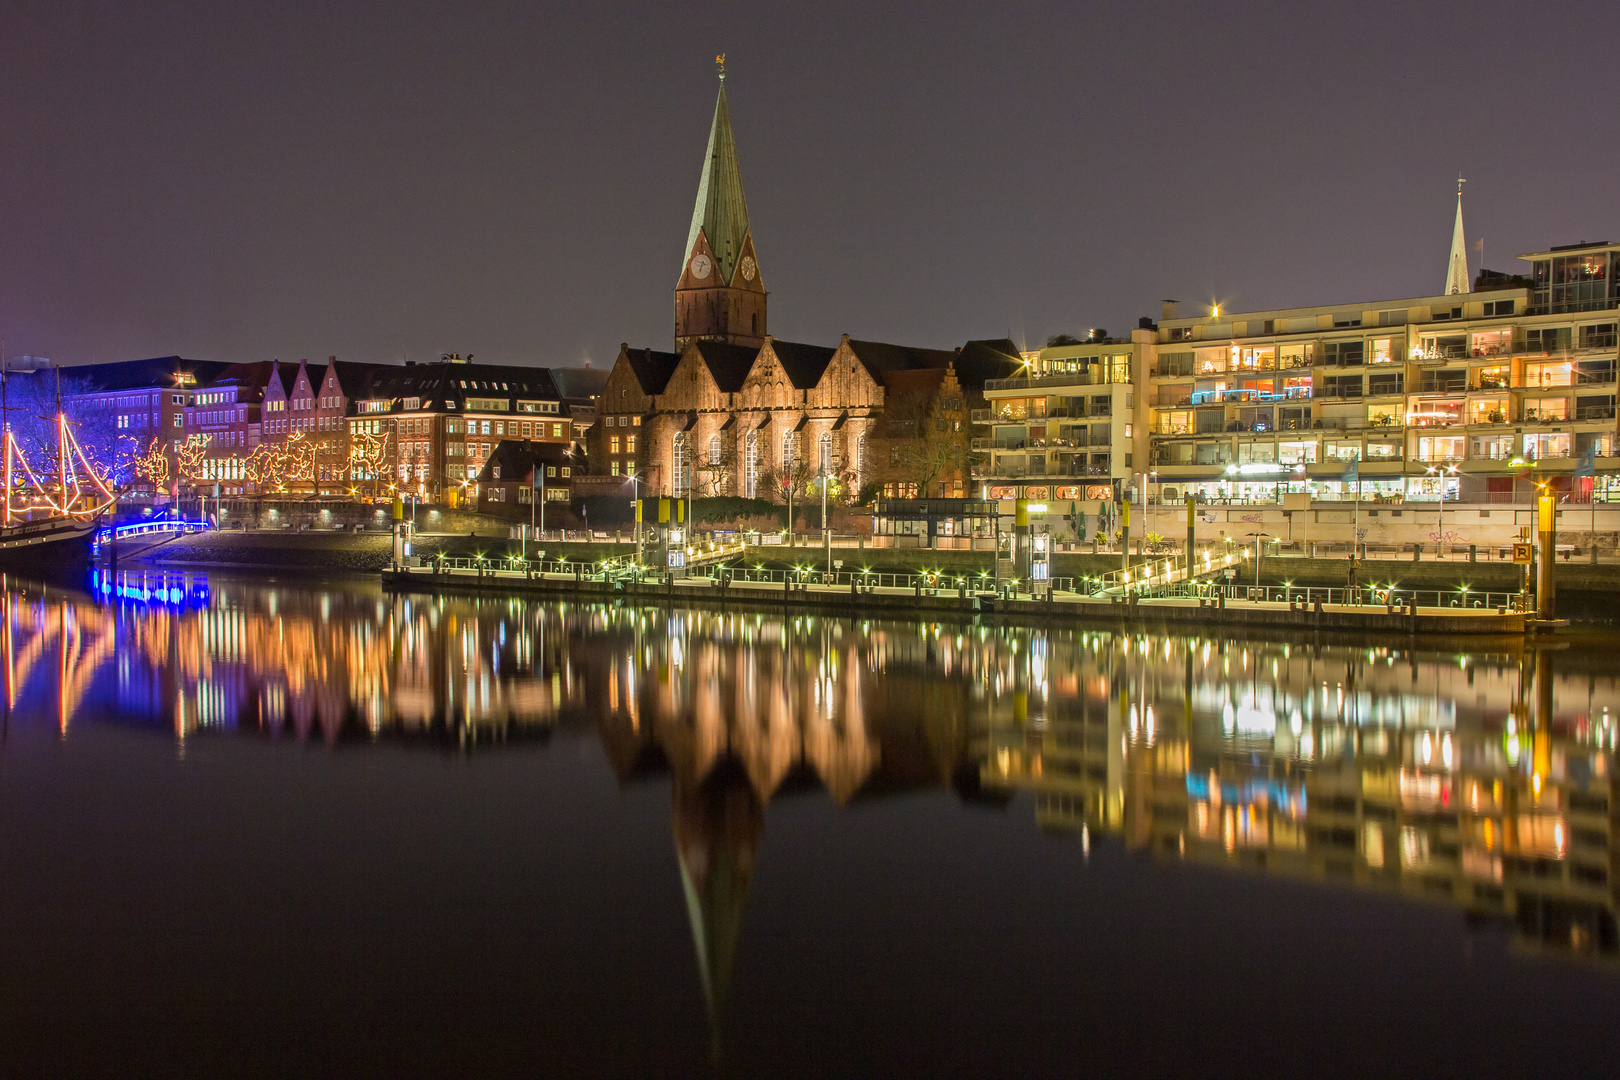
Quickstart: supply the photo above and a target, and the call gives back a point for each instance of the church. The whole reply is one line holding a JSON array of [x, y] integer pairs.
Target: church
[[734, 411]]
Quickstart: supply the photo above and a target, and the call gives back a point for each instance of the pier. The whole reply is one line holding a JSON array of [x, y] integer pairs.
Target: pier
[[1203, 604]]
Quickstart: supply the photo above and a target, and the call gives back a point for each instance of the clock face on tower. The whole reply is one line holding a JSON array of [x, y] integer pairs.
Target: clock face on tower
[[701, 266], [749, 268]]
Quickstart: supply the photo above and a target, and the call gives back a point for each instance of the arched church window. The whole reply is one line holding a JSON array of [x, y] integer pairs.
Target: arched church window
[[751, 466], [825, 459], [714, 449], [680, 466]]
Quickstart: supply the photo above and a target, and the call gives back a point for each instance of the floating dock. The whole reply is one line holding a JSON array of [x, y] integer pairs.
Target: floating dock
[[889, 601]]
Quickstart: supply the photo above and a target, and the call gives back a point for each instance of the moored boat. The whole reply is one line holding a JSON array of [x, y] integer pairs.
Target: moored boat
[[47, 544]]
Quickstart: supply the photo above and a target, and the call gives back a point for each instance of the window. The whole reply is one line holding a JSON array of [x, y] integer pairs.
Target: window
[[1539, 446], [1547, 339], [1344, 353], [1293, 453], [556, 431], [629, 444], [714, 449], [682, 468], [751, 465], [1490, 447], [825, 461], [613, 444], [1494, 308], [1440, 448], [787, 450]]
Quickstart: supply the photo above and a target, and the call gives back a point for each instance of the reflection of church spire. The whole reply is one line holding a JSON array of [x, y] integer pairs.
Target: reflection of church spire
[[718, 826]]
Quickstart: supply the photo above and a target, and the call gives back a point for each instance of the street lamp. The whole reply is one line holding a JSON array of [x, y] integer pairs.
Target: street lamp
[[1442, 470]]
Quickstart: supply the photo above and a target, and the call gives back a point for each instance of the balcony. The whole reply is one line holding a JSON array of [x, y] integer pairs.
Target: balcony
[[1029, 382], [1594, 412], [1341, 392], [981, 416]]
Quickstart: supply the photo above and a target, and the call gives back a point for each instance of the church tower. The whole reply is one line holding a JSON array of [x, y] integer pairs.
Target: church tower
[[720, 295]]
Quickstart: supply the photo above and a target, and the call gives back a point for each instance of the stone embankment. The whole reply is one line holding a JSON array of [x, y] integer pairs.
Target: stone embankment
[[1586, 591]]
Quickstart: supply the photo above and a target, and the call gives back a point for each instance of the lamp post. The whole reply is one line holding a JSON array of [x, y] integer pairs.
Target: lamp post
[[1442, 470]]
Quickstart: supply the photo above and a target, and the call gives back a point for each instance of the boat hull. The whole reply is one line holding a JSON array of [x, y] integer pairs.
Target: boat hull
[[46, 546]]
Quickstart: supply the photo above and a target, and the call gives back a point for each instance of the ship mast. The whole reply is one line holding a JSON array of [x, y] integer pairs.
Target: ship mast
[[5, 422], [61, 445]]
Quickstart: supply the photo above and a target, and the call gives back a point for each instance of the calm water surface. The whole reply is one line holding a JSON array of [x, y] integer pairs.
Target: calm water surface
[[256, 827]]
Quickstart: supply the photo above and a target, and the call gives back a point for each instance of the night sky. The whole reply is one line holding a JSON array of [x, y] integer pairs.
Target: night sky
[[379, 181]]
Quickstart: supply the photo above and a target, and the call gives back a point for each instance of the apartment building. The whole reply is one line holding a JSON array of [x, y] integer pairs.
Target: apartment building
[[1474, 396], [1070, 425]]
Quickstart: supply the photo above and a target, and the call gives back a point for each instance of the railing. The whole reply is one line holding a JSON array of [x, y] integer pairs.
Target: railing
[[1056, 378], [1345, 392], [1370, 595], [147, 528], [1594, 412], [981, 416]]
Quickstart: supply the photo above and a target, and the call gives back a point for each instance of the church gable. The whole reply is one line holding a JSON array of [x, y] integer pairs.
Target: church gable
[[767, 385], [622, 393], [846, 384], [747, 275], [701, 270], [692, 387]]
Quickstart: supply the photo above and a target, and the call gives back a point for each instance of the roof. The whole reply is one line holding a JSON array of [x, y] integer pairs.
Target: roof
[[517, 457], [729, 364], [804, 364], [156, 373], [580, 382], [721, 212], [651, 368], [914, 380], [977, 361], [880, 358]]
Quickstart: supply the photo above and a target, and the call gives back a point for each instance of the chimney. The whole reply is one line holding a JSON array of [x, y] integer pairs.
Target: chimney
[[1170, 309]]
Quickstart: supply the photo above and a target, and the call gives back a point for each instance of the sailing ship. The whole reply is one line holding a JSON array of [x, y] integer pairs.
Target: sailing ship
[[48, 527]]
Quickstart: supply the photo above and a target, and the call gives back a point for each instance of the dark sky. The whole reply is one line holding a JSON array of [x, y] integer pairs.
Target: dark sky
[[382, 180]]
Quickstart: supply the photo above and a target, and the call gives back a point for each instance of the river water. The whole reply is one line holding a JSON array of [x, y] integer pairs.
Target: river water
[[258, 826]]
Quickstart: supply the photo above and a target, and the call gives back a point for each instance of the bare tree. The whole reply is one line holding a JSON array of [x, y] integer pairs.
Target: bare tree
[[927, 443], [790, 480]]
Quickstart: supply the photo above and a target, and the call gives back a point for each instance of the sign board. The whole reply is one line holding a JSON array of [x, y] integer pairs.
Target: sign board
[[1040, 571], [677, 558], [1524, 553]]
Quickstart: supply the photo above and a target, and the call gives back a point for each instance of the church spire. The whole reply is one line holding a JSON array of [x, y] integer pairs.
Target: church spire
[[1457, 267], [720, 295], [721, 212]]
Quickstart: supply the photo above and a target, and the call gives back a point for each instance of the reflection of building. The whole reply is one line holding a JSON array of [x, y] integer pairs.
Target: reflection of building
[[1453, 782], [1484, 782]]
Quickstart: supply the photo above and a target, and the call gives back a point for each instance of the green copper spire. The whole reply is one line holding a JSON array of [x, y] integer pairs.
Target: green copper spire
[[721, 211]]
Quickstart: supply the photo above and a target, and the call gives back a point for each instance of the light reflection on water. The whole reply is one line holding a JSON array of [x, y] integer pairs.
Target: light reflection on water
[[1479, 779]]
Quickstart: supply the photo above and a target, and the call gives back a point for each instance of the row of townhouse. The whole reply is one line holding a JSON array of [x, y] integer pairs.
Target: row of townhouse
[[1473, 396], [334, 429]]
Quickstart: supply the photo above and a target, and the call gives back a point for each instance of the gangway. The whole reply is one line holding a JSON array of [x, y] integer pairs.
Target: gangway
[[1157, 573], [711, 553], [147, 528]]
